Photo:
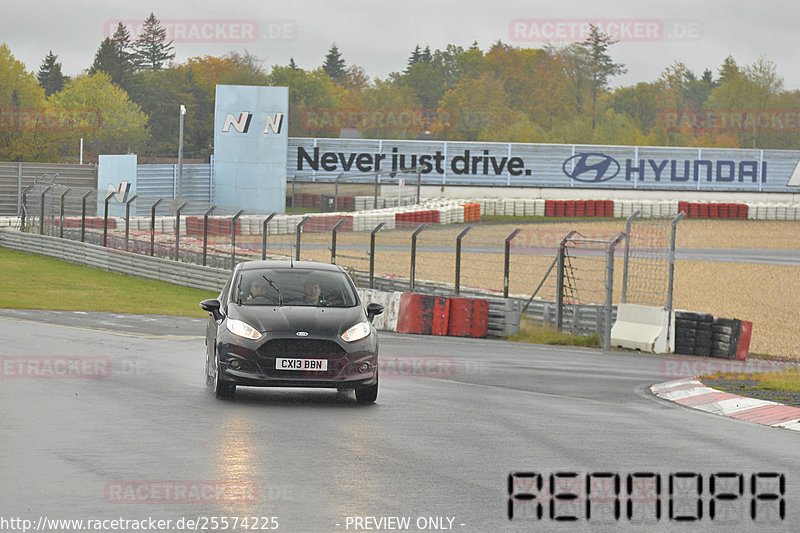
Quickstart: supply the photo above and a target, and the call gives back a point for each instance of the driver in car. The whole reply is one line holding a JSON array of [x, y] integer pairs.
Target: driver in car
[[311, 292], [258, 292]]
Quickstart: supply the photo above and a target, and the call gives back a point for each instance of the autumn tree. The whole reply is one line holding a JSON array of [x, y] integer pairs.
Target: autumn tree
[[122, 125], [24, 132]]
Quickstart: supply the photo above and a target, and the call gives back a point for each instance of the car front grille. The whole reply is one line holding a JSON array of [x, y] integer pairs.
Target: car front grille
[[299, 348]]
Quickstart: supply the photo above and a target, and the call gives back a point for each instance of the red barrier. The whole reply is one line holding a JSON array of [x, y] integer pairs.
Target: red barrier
[[560, 209], [318, 224], [469, 317], [591, 208], [742, 211], [580, 208], [422, 314], [713, 210], [744, 340], [549, 208]]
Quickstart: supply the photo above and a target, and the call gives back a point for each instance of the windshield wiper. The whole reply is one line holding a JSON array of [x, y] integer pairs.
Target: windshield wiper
[[272, 284]]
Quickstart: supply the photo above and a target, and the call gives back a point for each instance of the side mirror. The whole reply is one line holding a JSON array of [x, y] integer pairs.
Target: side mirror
[[212, 306], [373, 310]]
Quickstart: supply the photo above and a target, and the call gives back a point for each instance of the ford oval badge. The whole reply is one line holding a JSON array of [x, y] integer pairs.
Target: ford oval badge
[[302, 334]]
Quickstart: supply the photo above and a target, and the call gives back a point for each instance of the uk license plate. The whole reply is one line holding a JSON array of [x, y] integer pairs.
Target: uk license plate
[[312, 365]]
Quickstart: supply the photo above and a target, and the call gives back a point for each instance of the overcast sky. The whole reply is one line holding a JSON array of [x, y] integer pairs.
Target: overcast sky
[[379, 35]]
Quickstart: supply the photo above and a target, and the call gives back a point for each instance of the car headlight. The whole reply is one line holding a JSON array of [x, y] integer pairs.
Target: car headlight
[[357, 332], [242, 329]]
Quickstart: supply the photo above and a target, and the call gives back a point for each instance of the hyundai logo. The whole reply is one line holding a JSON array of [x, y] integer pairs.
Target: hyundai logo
[[302, 334], [591, 167]]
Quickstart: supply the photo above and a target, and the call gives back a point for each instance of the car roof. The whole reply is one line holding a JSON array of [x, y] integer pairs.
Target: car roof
[[302, 265]]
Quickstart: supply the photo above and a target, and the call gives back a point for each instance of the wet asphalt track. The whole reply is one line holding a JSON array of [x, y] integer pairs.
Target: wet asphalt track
[[431, 447]]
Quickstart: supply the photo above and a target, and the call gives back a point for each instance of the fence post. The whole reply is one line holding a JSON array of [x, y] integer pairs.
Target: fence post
[[562, 250], [610, 289], [507, 261], [414, 255], [294, 181], [105, 216], [419, 184], [61, 215], [20, 197], [673, 231], [83, 214], [24, 206], [372, 254], [128, 219], [205, 232], [41, 210], [153, 224], [458, 257], [375, 202], [333, 239], [628, 224], [336, 192], [297, 242], [178, 230], [264, 236], [233, 237]]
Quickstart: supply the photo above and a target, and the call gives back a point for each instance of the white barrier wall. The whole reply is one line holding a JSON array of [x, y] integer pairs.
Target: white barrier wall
[[387, 321], [644, 328]]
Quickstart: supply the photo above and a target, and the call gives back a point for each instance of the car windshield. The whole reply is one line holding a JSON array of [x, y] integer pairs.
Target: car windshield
[[294, 286]]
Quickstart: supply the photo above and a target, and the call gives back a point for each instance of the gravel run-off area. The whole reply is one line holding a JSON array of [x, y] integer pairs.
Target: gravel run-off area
[[766, 295]]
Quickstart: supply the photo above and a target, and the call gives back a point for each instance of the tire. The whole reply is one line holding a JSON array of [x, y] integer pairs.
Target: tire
[[723, 330], [721, 354], [223, 390], [367, 395], [705, 318]]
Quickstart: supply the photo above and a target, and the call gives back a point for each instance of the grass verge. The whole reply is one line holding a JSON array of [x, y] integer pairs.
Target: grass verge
[[537, 334], [33, 281], [780, 380]]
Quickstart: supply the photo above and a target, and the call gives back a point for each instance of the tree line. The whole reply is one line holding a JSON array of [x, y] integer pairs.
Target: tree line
[[127, 100]]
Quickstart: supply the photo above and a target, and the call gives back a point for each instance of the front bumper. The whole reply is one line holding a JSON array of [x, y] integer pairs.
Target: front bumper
[[350, 365]]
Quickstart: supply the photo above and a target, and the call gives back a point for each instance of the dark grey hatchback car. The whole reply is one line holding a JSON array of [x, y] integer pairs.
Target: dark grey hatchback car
[[291, 324]]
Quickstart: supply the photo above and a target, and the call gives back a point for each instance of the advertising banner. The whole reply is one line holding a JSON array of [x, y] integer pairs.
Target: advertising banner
[[551, 165]]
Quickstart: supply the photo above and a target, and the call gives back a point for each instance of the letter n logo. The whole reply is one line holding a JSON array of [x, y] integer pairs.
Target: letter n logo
[[274, 123], [241, 124]]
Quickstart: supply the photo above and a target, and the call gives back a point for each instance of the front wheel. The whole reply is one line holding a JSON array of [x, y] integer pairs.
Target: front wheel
[[368, 394], [222, 389]]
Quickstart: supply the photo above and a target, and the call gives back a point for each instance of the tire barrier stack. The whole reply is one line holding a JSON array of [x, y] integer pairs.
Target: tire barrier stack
[[321, 201], [693, 333], [472, 212], [704, 335], [446, 211], [713, 210], [579, 208]]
